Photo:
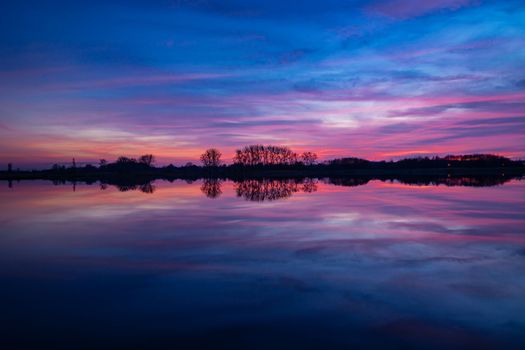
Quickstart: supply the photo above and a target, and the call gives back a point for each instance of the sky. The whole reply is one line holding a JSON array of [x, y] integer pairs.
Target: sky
[[381, 79]]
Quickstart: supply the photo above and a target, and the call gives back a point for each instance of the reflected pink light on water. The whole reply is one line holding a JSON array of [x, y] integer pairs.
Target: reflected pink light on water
[[377, 249]]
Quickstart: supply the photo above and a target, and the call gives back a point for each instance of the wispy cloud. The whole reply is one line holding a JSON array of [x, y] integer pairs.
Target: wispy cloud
[[412, 8], [375, 79]]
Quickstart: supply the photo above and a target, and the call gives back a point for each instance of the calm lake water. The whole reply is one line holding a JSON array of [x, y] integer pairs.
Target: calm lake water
[[263, 265]]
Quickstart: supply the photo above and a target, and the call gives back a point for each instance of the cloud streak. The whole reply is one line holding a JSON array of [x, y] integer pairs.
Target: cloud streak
[[376, 79]]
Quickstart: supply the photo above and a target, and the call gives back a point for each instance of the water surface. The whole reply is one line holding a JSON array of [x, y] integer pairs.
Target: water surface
[[289, 264]]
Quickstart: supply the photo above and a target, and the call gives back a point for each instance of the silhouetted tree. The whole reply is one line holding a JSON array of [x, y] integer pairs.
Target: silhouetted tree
[[309, 158], [125, 160], [57, 167], [349, 162], [125, 164], [265, 155], [147, 159], [212, 157], [9, 167], [102, 162]]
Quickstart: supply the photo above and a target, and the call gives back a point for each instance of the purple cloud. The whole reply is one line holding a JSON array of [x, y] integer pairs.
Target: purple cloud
[[403, 9]]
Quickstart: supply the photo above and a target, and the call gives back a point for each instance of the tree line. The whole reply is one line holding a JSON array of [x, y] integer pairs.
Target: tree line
[[260, 155], [271, 155], [249, 160]]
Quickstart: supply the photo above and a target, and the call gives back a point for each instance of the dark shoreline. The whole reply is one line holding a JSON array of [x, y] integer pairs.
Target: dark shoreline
[[259, 162], [447, 176]]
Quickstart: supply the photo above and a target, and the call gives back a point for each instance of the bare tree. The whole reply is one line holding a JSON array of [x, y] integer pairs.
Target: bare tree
[[125, 160], [309, 158], [147, 159], [265, 155], [212, 157]]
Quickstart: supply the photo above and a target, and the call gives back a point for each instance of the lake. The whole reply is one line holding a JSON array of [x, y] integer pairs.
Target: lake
[[286, 264]]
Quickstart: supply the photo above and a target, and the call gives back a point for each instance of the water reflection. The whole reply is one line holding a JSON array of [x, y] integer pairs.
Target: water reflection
[[259, 190], [147, 187], [211, 188], [477, 181], [281, 188], [347, 181], [378, 265]]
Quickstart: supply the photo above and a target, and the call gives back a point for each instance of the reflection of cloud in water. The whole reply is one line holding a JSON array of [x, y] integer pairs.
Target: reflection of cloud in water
[[341, 218], [380, 258]]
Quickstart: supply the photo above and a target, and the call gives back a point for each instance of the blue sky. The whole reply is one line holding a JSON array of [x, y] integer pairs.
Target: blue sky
[[376, 79]]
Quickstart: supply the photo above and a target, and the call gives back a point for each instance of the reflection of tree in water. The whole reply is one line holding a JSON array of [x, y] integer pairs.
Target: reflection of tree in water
[[346, 181], [427, 180], [144, 188], [126, 187], [451, 180], [271, 189], [309, 185], [211, 188], [147, 188]]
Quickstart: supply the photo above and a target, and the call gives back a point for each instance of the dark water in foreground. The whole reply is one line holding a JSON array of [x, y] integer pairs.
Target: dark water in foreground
[[271, 265]]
